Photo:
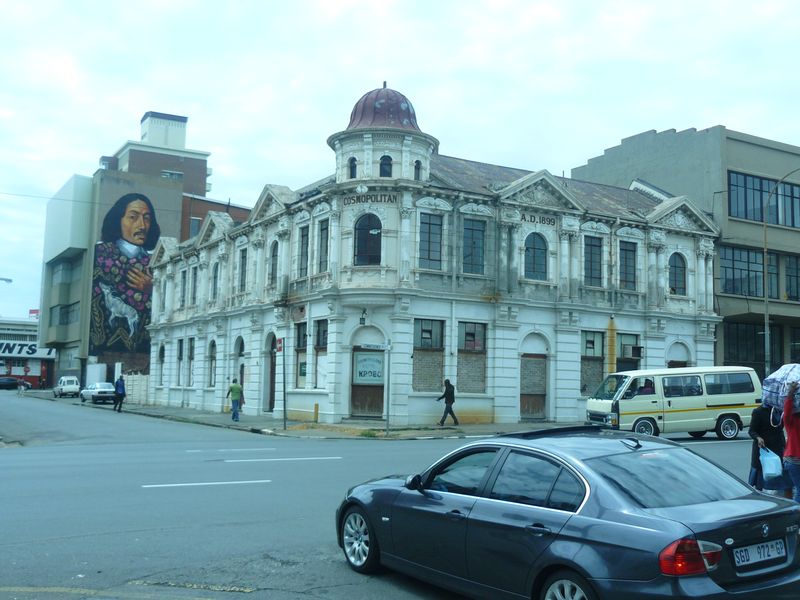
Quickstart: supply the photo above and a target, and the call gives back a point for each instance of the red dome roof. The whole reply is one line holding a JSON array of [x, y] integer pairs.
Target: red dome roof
[[383, 107]]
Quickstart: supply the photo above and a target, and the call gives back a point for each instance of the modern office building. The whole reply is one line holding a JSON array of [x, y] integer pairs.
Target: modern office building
[[735, 178], [356, 295], [80, 296]]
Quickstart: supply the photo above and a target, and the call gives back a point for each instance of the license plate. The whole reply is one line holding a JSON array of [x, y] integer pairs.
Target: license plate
[[748, 555]]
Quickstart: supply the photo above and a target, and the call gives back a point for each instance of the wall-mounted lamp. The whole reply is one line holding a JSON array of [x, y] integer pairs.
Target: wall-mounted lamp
[[363, 319]]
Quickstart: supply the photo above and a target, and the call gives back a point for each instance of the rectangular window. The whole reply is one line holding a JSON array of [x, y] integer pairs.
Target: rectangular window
[[742, 272], [301, 330], [214, 282], [62, 273], [627, 265], [193, 294], [321, 334], [792, 264], [428, 334], [744, 346], [728, 383], [179, 363], [302, 268], [242, 270], [322, 262], [748, 195], [194, 226], [794, 347], [593, 261], [69, 313], [430, 241], [474, 232], [190, 377], [472, 337], [592, 353], [182, 303], [682, 385]]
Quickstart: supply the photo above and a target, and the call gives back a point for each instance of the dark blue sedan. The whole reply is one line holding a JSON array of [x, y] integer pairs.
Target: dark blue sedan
[[581, 513]]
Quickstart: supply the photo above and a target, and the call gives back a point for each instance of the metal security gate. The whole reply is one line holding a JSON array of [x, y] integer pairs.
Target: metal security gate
[[533, 387]]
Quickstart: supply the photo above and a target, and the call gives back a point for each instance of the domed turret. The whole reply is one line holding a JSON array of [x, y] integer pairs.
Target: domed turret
[[383, 107]]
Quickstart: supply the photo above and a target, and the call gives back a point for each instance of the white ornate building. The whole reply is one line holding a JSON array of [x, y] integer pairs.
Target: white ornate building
[[358, 294]]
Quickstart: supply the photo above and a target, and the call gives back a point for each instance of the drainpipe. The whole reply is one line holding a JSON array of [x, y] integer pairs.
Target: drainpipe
[[611, 350]]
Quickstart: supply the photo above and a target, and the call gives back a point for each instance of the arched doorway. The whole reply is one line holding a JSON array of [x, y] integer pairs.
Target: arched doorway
[[533, 378], [238, 353], [678, 355], [368, 373]]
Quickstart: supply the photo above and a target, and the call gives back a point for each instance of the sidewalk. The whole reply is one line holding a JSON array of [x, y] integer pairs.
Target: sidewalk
[[266, 424]]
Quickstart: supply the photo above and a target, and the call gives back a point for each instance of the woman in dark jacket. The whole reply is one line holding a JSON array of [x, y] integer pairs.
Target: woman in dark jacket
[[766, 429]]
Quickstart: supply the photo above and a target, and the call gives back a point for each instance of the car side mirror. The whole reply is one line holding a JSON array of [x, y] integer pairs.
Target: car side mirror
[[413, 482]]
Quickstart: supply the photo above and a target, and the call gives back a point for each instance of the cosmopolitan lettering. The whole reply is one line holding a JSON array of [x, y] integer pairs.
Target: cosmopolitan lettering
[[367, 198]]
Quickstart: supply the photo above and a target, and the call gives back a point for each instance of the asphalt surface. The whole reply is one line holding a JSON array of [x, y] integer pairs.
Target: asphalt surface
[[266, 424]]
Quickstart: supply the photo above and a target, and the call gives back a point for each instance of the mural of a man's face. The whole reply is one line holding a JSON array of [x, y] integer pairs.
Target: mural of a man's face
[[135, 223]]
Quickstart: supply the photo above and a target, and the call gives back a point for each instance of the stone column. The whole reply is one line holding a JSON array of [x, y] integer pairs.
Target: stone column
[[662, 271], [406, 244], [564, 265], [257, 291], [709, 258], [516, 250], [335, 245], [575, 266], [652, 275], [700, 293], [284, 261], [170, 293]]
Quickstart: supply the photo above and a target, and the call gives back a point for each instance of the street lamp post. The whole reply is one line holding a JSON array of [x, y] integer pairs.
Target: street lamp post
[[764, 209]]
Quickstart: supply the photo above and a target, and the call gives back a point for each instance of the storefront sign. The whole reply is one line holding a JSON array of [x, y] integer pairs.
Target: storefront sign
[[368, 368], [25, 350]]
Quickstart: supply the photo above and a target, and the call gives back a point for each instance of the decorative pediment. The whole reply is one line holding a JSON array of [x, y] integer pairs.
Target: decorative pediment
[[540, 190], [680, 214], [165, 249], [302, 217], [476, 209], [595, 227], [631, 233], [321, 209], [272, 201], [214, 227], [434, 204]]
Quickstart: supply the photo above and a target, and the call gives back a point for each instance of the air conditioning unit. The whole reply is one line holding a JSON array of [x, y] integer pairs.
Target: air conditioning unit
[[629, 351]]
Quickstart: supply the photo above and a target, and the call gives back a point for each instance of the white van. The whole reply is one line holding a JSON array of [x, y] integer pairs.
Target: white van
[[68, 385], [691, 399]]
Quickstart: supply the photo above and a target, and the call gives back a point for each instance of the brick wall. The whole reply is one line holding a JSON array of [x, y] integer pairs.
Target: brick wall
[[533, 376], [472, 372], [428, 371]]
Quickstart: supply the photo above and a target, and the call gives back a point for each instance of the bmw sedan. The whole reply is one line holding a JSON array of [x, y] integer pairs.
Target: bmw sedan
[[98, 392], [579, 513]]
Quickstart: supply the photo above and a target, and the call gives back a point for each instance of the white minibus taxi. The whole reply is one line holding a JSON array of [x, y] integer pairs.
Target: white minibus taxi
[[691, 399]]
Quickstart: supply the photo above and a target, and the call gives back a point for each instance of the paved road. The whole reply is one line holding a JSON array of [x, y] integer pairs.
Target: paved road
[[104, 505]]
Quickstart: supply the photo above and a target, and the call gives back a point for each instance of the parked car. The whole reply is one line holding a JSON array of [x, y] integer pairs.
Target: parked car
[[579, 512], [12, 383], [68, 385], [98, 392]]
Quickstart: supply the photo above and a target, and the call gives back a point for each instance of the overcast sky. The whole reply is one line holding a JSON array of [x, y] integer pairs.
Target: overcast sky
[[526, 84]]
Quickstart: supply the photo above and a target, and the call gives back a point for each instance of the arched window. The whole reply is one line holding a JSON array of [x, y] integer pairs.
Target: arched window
[[677, 275], [352, 168], [214, 282], [417, 170], [386, 166], [535, 257], [273, 263], [367, 240], [212, 364]]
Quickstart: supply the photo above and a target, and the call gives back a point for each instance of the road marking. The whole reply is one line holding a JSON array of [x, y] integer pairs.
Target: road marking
[[165, 485], [235, 460], [232, 450]]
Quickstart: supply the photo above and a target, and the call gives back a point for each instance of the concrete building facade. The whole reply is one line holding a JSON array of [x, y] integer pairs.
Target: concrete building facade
[[734, 178], [355, 296], [159, 167]]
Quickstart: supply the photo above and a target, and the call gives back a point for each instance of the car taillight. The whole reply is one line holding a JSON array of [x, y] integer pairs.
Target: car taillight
[[689, 557]]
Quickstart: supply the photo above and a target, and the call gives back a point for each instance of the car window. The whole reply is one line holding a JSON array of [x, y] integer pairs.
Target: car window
[[643, 477], [729, 383], [525, 479], [567, 493], [682, 385], [464, 475]]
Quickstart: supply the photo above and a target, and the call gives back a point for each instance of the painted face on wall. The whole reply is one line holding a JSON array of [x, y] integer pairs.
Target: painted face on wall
[[135, 224]]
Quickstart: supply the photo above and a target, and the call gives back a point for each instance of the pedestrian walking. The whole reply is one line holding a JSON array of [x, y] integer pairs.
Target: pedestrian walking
[[119, 394], [20, 387], [766, 429], [237, 398], [449, 396], [791, 455]]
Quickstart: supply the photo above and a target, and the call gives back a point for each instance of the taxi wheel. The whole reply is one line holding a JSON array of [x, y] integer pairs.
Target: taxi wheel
[[645, 427], [727, 427]]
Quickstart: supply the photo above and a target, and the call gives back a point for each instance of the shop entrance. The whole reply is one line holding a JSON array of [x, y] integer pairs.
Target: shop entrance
[[366, 390]]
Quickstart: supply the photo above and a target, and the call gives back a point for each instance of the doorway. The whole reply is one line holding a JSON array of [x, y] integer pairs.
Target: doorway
[[532, 387], [366, 390]]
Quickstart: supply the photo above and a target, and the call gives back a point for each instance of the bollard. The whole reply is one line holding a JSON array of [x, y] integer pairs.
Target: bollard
[[316, 412]]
